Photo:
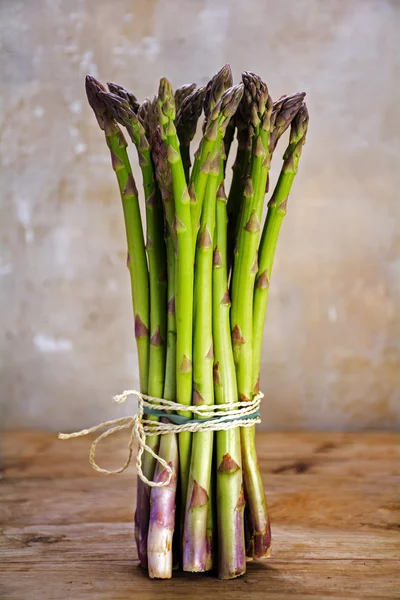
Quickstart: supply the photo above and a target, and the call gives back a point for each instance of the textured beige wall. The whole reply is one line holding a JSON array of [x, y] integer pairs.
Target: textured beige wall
[[331, 354]]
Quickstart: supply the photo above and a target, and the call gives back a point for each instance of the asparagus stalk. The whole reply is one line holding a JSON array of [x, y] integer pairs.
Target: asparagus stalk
[[230, 497], [137, 263], [196, 550], [183, 270], [244, 271], [155, 247], [186, 123], [217, 122], [183, 92], [155, 244], [275, 215], [163, 499]]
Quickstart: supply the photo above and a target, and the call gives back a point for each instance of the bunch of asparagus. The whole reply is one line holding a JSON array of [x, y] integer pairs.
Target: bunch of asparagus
[[200, 290]]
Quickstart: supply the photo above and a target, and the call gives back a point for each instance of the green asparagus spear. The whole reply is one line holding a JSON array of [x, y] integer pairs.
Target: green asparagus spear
[[183, 270], [244, 271], [155, 244], [230, 497], [163, 499], [155, 247], [137, 265], [137, 262], [196, 551], [276, 212]]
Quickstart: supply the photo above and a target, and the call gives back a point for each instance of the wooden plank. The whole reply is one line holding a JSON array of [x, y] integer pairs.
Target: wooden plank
[[334, 500], [276, 580], [58, 543]]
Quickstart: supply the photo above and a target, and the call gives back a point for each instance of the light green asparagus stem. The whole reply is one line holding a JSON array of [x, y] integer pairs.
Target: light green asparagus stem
[[137, 262], [186, 123], [183, 270], [155, 247], [163, 499], [244, 271], [230, 497], [260, 107], [275, 215], [170, 365], [155, 244], [196, 550]]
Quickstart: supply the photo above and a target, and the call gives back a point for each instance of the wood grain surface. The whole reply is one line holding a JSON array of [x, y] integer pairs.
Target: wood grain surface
[[67, 532]]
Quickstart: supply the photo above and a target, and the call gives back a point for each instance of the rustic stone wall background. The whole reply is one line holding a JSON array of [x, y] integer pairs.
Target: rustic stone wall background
[[331, 355]]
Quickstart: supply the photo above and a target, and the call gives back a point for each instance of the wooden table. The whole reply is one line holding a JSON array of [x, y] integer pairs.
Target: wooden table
[[67, 531]]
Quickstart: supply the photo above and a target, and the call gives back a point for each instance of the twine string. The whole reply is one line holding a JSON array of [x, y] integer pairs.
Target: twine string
[[212, 418]]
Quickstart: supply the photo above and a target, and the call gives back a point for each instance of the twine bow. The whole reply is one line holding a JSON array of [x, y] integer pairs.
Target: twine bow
[[210, 418]]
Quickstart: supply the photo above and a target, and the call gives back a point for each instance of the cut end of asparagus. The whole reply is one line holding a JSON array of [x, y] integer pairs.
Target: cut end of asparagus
[[259, 545]]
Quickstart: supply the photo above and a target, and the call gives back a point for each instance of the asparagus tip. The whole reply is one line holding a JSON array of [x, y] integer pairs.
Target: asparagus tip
[[94, 89], [217, 85]]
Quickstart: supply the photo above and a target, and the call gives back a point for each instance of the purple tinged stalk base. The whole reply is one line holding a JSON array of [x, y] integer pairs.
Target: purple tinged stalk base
[[162, 514]]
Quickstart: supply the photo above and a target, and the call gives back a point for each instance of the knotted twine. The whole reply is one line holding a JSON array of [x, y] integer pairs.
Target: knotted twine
[[214, 417]]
